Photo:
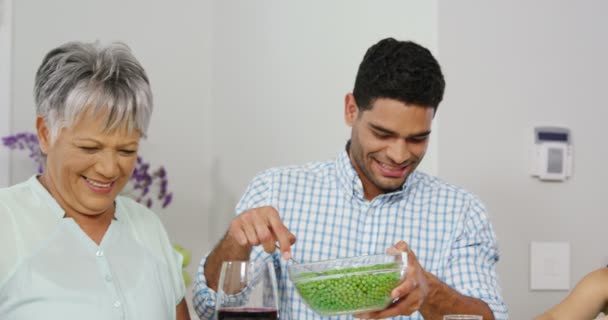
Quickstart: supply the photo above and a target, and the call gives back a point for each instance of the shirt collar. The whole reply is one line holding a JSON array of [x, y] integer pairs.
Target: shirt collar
[[40, 191], [348, 177]]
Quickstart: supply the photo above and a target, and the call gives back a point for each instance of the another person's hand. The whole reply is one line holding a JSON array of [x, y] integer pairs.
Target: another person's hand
[[262, 226], [411, 292]]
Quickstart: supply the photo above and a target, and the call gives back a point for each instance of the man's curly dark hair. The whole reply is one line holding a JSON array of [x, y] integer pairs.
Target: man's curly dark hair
[[400, 70]]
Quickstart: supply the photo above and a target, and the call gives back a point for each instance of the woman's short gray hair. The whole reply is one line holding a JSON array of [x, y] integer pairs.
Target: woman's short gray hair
[[87, 77]]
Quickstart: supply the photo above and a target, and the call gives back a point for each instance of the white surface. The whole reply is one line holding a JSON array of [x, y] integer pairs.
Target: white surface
[[541, 154], [549, 265], [6, 24], [511, 65], [553, 161]]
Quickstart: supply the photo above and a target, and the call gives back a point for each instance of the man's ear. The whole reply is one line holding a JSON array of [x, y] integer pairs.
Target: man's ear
[[351, 110], [44, 134]]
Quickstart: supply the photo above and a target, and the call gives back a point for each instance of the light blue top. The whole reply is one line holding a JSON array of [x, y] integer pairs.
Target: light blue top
[[323, 204], [50, 269]]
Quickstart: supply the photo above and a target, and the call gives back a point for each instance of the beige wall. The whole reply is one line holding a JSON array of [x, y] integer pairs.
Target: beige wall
[[511, 65], [6, 33]]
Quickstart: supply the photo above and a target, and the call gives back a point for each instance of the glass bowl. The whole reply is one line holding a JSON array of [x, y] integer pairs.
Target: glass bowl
[[349, 285]]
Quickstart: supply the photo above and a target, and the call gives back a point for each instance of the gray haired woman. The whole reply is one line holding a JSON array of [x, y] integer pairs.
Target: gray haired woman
[[72, 248]]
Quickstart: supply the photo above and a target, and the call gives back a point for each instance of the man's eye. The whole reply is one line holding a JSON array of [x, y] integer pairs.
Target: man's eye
[[89, 149], [381, 135], [128, 151]]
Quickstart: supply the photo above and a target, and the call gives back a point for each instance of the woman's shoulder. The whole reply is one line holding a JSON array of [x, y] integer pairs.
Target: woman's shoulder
[[15, 192], [136, 213], [595, 283], [600, 274]]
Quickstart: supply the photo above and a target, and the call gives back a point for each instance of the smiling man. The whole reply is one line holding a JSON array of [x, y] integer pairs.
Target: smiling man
[[371, 198]]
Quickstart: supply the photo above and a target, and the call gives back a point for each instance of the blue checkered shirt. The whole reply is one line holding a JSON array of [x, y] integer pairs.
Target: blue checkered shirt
[[323, 204]]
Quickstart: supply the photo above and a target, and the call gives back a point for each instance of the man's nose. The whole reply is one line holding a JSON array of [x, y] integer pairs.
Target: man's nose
[[398, 151]]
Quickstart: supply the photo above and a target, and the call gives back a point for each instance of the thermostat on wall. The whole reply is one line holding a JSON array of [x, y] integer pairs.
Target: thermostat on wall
[[552, 158]]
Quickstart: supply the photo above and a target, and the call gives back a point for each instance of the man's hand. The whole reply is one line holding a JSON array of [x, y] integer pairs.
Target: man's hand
[[262, 226], [411, 293], [250, 228]]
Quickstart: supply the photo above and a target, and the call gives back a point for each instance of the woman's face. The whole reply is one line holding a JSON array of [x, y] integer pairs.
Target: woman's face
[[86, 168]]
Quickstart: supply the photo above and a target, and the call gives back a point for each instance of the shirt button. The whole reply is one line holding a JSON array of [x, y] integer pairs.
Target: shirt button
[[117, 304], [99, 253], [108, 278]]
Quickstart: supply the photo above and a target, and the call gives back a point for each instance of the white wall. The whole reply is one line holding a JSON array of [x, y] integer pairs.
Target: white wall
[[6, 15], [281, 71], [511, 65]]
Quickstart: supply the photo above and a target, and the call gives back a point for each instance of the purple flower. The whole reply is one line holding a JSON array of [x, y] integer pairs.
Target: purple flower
[[168, 199], [144, 181], [26, 141]]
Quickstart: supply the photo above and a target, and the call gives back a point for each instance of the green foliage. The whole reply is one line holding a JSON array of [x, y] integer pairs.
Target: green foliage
[[185, 262]]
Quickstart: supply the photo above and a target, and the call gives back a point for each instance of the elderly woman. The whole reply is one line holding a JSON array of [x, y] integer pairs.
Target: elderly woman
[[71, 247]]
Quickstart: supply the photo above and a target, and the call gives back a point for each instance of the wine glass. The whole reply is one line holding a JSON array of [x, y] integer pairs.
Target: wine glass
[[462, 317], [247, 290]]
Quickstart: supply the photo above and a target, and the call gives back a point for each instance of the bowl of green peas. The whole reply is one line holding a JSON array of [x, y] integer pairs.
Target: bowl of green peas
[[349, 285]]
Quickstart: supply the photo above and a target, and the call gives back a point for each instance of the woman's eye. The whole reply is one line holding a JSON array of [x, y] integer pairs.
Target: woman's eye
[[88, 149], [128, 151]]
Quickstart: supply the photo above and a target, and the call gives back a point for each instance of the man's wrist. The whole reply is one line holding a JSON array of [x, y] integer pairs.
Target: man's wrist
[[434, 286]]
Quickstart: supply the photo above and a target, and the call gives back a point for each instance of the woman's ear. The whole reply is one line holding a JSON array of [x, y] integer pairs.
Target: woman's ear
[[351, 110], [44, 134]]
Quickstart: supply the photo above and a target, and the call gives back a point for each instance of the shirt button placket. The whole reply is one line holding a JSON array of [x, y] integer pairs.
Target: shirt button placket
[[367, 227], [105, 268]]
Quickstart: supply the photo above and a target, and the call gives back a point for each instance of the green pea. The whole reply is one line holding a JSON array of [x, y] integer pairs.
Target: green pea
[[348, 292]]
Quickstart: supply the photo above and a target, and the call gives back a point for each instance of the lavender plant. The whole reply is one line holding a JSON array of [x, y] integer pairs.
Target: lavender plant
[[142, 181]]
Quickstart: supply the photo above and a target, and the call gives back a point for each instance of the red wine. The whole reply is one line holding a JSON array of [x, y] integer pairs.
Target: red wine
[[247, 314]]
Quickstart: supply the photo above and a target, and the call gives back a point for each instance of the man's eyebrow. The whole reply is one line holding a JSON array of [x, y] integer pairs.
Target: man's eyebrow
[[421, 134], [387, 131], [382, 129]]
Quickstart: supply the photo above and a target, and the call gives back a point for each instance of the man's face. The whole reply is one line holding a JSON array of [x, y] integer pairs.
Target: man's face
[[387, 142]]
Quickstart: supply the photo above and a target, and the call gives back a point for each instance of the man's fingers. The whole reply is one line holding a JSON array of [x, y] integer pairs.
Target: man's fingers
[[237, 233], [402, 246], [265, 236], [282, 235], [406, 306], [252, 238], [247, 225], [404, 288], [262, 226]]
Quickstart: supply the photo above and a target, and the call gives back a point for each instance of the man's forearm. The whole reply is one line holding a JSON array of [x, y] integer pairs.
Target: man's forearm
[[443, 300], [226, 250]]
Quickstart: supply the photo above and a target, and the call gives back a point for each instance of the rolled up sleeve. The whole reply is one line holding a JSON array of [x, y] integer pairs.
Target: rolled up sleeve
[[471, 268]]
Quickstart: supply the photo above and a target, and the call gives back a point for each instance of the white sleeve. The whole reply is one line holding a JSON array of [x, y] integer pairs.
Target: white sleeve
[[174, 261]]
